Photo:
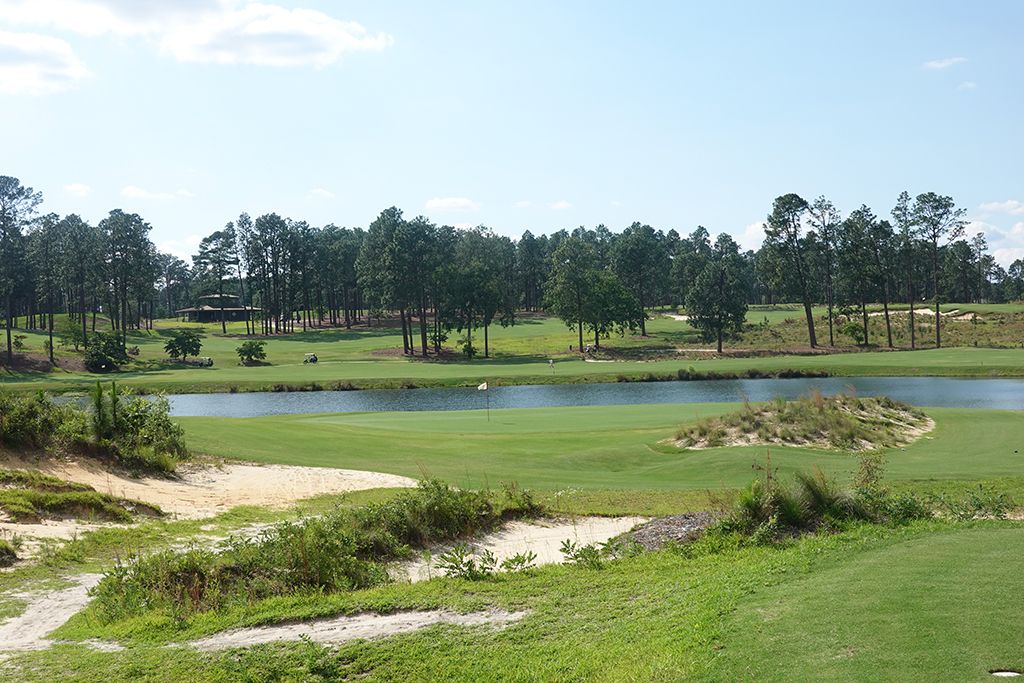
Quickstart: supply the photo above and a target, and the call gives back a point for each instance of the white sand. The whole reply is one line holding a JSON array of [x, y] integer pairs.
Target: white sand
[[360, 626], [198, 492], [542, 538]]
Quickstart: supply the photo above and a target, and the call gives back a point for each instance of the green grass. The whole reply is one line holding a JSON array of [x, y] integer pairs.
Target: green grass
[[589, 448], [370, 357], [919, 603]]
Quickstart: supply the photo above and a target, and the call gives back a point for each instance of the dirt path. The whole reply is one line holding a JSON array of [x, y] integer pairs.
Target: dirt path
[[361, 626], [543, 538], [45, 612]]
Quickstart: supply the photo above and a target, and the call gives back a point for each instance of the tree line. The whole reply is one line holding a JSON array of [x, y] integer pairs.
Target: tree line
[[439, 281]]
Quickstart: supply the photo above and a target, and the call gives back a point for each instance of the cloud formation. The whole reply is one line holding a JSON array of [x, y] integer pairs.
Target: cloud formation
[[321, 193], [1013, 207], [209, 31], [452, 204], [78, 189], [561, 205], [937, 64], [136, 192], [33, 64]]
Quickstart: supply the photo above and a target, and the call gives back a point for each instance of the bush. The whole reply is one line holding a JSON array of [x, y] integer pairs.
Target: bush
[[69, 332], [105, 353], [251, 351], [460, 563], [339, 551], [183, 343], [37, 422], [7, 554]]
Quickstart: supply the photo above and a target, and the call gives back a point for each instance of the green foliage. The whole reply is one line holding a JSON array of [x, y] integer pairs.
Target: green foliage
[[984, 502], [459, 562], [139, 432], [854, 331], [105, 353], [183, 343], [30, 497], [19, 342], [339, 551], [588, 555], [36, 422], [69, 332], [8, 556], [252, 350]]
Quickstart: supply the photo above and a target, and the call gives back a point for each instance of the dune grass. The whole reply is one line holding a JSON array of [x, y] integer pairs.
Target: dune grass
[[590, 448], [30, 497], [843, 422]]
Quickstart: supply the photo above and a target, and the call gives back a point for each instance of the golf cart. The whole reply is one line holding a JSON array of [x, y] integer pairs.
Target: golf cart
[[310, 358]]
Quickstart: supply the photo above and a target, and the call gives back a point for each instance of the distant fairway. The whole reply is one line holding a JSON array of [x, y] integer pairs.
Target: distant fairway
[[601, 447]]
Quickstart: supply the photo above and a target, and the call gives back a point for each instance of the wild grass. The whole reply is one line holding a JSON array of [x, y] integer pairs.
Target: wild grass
[[30, 497], [841, 422], [8, 554], [339, 551]]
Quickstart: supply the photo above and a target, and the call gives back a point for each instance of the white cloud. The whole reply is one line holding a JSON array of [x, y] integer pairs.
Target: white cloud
[[1006, 244], [33, 64], [78, 189], [321, 193], [752, 236], [209, 31], [967, 85], [561, 205], [136, 192], [616, 203], [183, 248], [936, 64], [452, 204], [523, 204], [1010, 206]]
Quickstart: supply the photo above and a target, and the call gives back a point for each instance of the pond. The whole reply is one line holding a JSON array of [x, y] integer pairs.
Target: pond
[[919, 391]]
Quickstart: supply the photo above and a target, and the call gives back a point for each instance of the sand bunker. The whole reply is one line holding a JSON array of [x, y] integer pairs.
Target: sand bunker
[[358, 627], [544, 538], [676, 316], [198, 492]]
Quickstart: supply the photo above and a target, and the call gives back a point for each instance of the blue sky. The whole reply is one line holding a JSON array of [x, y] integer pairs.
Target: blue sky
[[526, 115]]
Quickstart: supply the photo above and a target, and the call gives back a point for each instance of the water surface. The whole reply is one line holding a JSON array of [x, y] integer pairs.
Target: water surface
[[920, 391]]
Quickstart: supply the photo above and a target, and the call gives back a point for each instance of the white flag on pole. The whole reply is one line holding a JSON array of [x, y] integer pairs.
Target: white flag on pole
[[482, 387]]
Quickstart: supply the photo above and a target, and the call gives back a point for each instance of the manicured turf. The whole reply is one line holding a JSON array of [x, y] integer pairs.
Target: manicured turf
[[599, 447], [941, 607]]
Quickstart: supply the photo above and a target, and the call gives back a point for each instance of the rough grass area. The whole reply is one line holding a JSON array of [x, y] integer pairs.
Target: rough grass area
[[8, 555], [339, 551], [816, 421], [30, 497]]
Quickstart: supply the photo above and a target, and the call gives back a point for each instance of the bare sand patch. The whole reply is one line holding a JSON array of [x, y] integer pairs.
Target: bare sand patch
[[204, 491], [676, 316], [357, 627], [44, 612], [543, 538]]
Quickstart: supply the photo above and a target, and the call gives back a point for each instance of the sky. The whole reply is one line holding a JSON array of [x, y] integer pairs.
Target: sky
[[519, 115]]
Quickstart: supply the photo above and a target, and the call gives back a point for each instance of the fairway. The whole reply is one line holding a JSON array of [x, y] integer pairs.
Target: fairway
[[934, 608], [599, 447]]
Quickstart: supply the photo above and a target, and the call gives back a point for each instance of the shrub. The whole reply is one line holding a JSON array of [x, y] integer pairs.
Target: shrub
[[588, 556], [338, 551], [7, 554], [37, 422], [69, 332], [183, 343], [252, 350], [105, 353], [459, 562], [19, 342]]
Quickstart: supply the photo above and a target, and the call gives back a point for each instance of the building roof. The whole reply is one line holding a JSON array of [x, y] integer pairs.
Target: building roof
[[215, 309], [219, 296]]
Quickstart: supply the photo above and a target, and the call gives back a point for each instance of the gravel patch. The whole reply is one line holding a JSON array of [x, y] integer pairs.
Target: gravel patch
[[675, 528]]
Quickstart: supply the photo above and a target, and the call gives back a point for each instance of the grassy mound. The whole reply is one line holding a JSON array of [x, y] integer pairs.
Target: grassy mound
[[842, 422], [29, 497]]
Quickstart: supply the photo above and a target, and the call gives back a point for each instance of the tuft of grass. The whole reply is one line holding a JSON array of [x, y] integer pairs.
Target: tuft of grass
[[8, 556], [29, 497]]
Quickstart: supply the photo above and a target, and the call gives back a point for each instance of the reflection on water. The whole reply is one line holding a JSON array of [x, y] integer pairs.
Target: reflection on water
[[920, 391]]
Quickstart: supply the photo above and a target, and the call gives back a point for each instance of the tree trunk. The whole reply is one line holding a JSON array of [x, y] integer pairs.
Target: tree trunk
[[831, 337], [423, 325], [720, 337], [10, 345], [885, 308], [50, 320], [864, 317], [487, 348], [810, 323], [935, 291]]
